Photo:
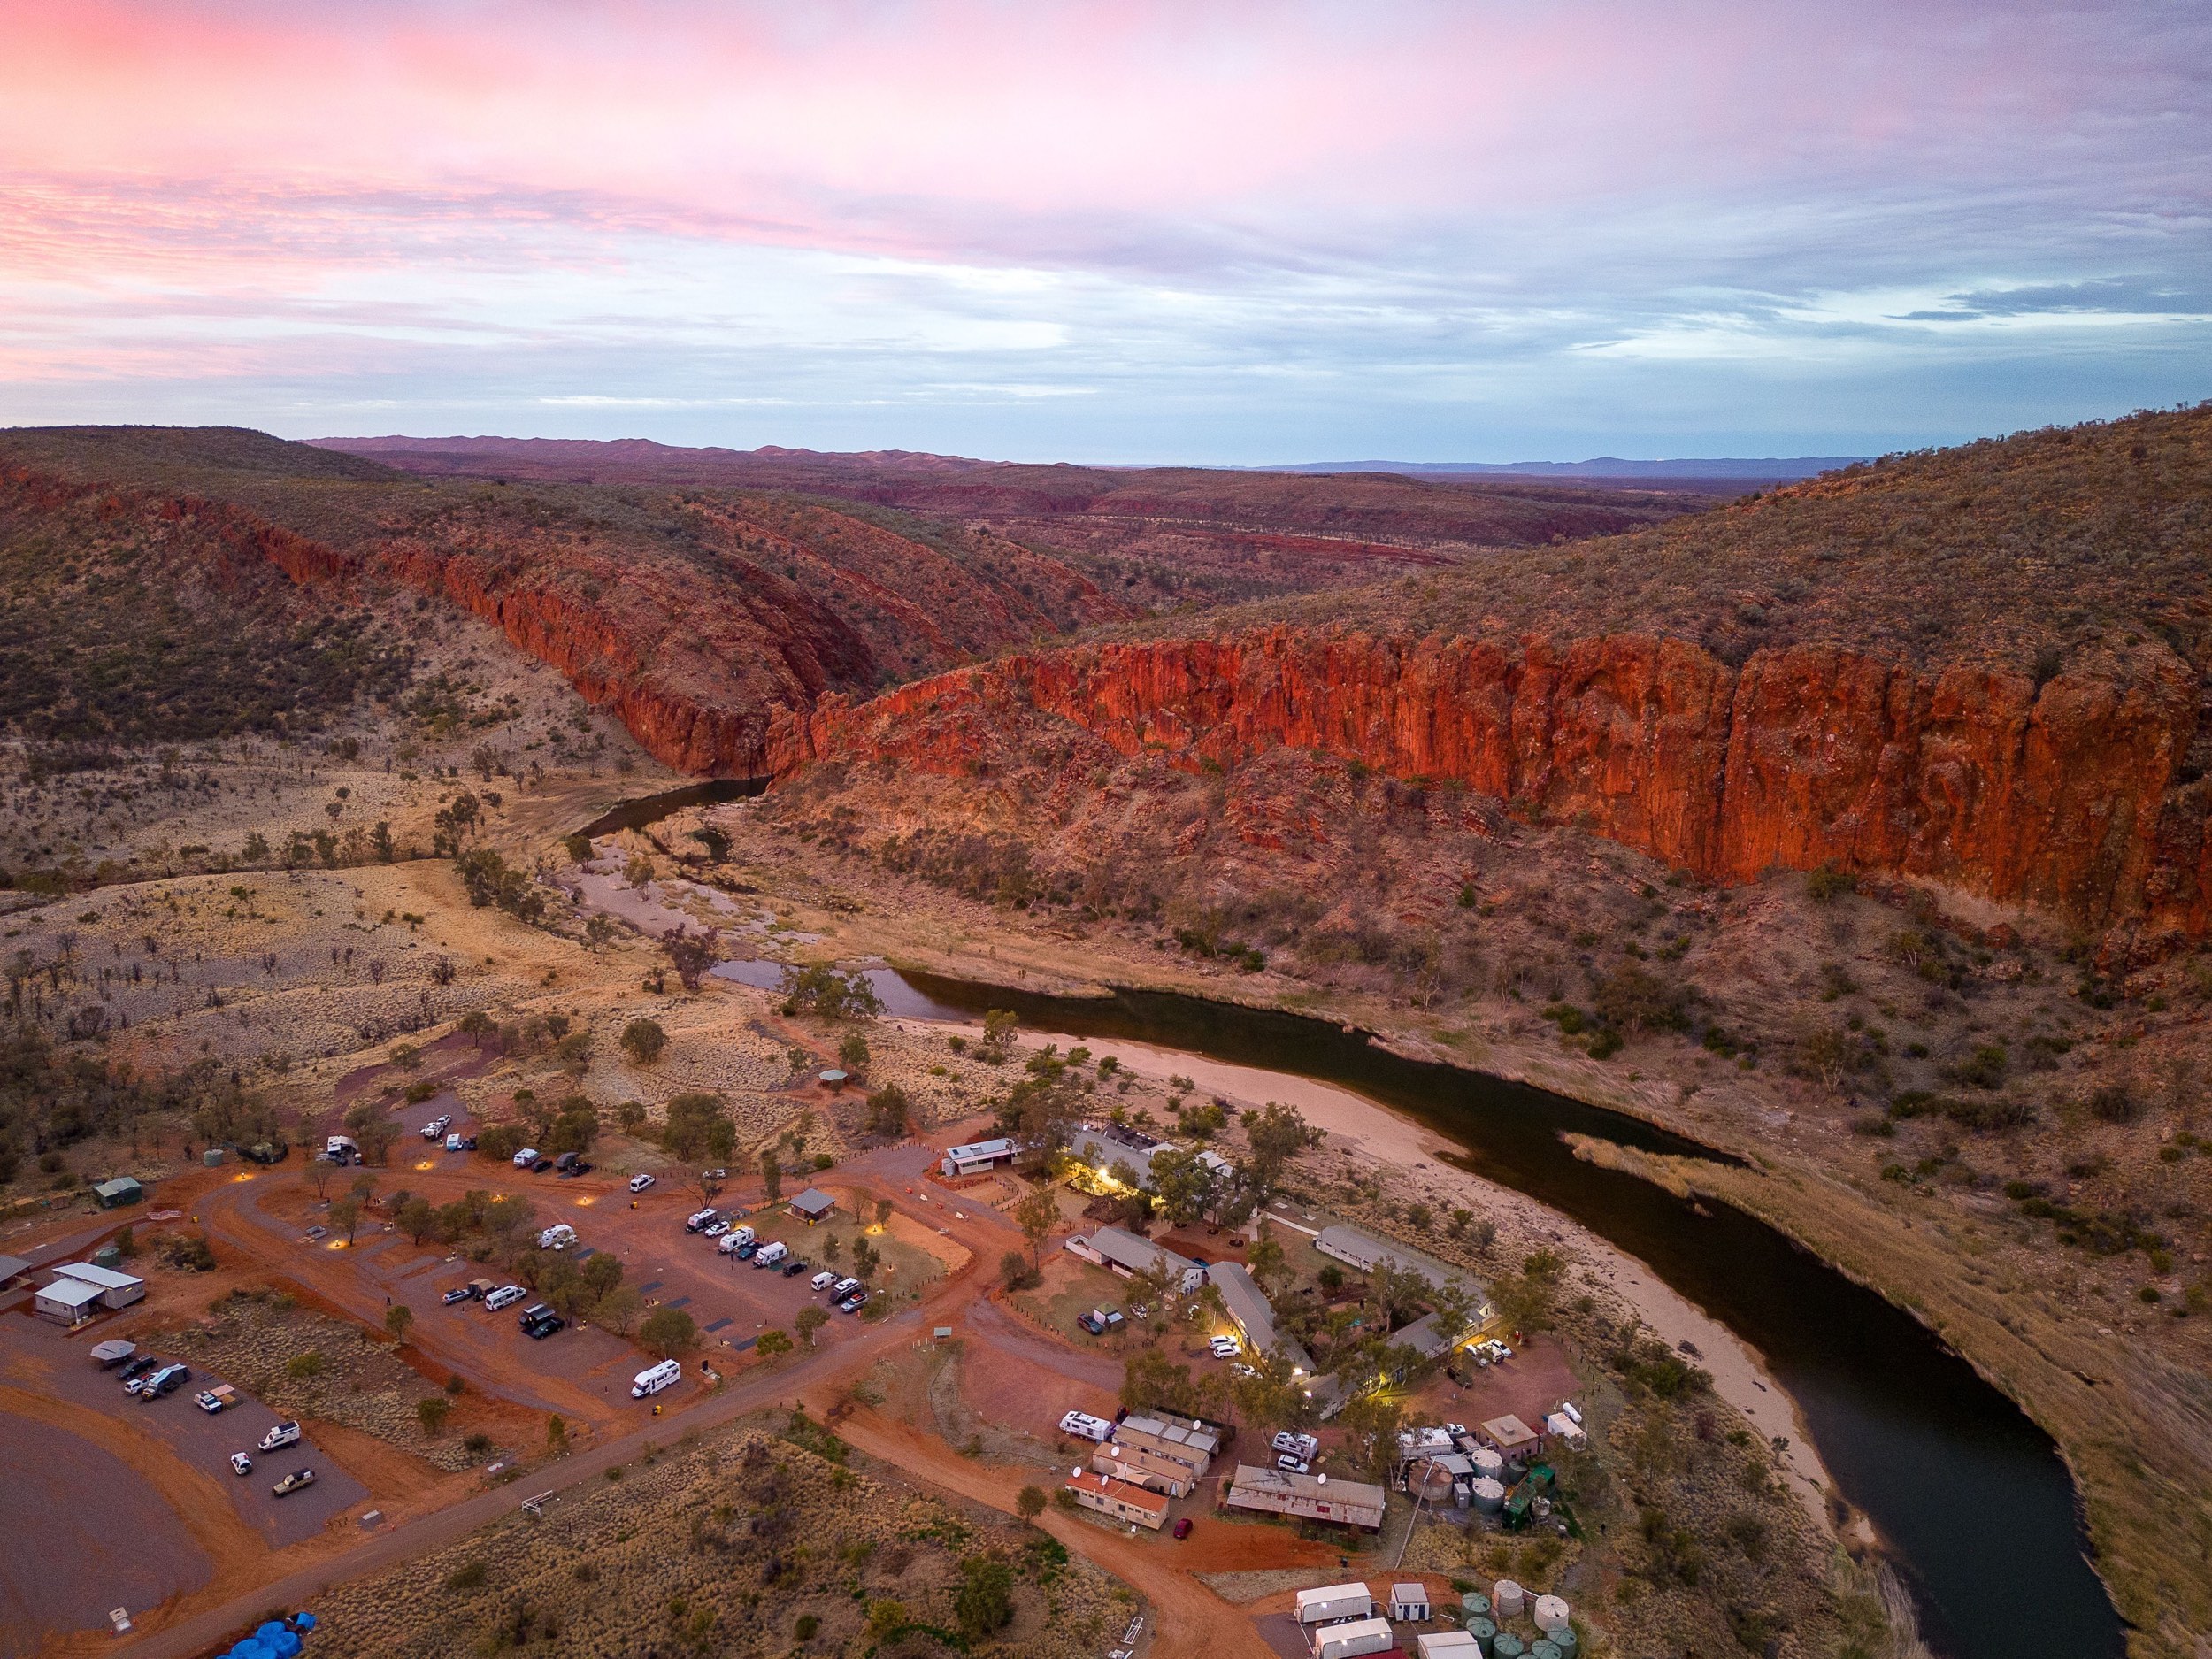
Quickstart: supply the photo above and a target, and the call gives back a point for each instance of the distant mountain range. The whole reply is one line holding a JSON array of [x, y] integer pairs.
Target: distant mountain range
[[1770, 470]]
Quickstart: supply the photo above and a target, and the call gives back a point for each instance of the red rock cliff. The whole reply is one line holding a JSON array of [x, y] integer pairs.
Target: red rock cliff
[[2064, 797]]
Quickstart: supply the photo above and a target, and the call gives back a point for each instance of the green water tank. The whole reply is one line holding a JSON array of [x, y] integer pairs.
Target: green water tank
[[1508, 1645], [1544, 1648], [1474, 1604], [1485, 1632], [108, 1255], [212, 1157], [1563, 1639]]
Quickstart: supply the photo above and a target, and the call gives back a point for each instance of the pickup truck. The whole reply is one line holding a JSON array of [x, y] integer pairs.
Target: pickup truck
[[221, 1397]]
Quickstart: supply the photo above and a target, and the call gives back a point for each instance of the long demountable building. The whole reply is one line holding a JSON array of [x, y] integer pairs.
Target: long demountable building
[[1118, 1498], [1307, 1497], [116, 1290], [1194, 1446], [1124, 1253]]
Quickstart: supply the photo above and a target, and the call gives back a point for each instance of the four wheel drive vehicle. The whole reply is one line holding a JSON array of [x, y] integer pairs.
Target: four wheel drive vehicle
[[1098, 1321], [715, 1228], [849, 1303], [298, 1480], [1182, 1527], [285, 1433], [221, 1398], [745, 1251], [639, 1183], [316, 1235], [1223, 1348], [167, 1380], [793, 1268], [1294, 1465], [559, 1236], [541, 1166], [667, 1374], [241, 1464], [1304, 1447], [538, 1330], [771, 1253], [525, 1158], [823, 1280], [437, 1126], [137, 1368], [582, 1166], [505, 1296], [460, 1292], [700, 1220], [1090, 1428]]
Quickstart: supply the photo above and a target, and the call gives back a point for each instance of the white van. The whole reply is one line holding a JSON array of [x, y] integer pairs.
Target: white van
[[664, 1375], [1090, 1428], [769, 1254], [823, 1281], [505, 1296]]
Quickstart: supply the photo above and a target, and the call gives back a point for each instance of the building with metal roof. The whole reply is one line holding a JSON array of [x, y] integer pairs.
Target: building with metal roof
[[68, 1302], [1126, 1253], [122, 1190], [976, 1156], [116, 1290], [1118, 1498], [812, 1205], [1307, 1497]]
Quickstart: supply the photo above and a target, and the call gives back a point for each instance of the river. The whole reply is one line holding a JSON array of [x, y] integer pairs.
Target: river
[[1969, 1494]]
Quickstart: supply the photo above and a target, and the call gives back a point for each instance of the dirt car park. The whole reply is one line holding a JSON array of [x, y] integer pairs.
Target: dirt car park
[[204, 1442]]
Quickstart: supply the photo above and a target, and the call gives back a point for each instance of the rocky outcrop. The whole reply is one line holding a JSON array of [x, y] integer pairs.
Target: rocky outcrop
[[2068, 796]]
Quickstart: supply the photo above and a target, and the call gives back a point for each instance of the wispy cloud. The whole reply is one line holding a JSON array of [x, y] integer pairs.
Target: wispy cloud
[[1107, 228]]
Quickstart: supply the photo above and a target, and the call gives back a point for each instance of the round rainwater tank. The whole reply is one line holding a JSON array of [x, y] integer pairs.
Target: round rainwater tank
[[1488, 1496], [1563, 1639], [1484, 1631], [1509, 1597], [1487, 1462], [1551, 1613], [1431, 1481], [1474, 1604], [1543, 1648], [1507, 1645]]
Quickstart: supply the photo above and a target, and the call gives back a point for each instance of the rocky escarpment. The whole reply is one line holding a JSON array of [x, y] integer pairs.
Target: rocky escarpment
[[2070, 795]]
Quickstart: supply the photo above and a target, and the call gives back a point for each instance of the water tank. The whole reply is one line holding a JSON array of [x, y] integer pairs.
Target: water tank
[[1509, 1597], [1551, 1613], [1487, 1462], [1488, 1495], [1431, 1481], [1563, 1639], [108, 1255], [212, 1157], [1507, 1645], [1474, 1604], [1480, 1627], [1543, 1648]]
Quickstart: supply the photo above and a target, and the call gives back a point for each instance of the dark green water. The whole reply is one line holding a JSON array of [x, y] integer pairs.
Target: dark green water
[[1970, 1495], [650, 809]]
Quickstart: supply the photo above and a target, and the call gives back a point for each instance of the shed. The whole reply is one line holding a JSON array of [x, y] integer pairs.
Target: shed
[[1511, 1436], [1408, 1603], [122, 1190], [1328, 1603], [976, 1156], [1446, 1644], [812, 1205], [116, 1290], [67, 1301], [12, 1268]]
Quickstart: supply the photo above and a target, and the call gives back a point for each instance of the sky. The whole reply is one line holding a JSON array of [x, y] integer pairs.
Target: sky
[[1110, 231]]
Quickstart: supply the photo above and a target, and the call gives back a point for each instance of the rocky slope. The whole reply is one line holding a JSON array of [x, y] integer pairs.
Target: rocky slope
[[2046, 747]]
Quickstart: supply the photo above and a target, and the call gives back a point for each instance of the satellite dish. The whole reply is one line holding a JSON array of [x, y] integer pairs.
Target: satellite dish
[[1324, 1479]]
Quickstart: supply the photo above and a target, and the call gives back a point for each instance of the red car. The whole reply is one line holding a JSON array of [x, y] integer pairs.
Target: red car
[[1182, 1527]]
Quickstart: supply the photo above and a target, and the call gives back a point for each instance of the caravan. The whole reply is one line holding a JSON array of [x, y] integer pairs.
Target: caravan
[[667, 1374]]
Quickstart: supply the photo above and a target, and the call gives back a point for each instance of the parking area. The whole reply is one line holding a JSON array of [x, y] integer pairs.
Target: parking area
[[204, 1442]]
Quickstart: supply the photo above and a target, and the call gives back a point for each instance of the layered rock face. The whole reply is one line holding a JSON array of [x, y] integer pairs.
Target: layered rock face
[[2067, 796]]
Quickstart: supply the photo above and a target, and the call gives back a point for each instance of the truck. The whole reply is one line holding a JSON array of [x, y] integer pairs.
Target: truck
[[219, 1399]]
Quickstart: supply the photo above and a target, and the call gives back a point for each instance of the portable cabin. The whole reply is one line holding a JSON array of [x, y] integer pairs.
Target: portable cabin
[[1330, 1602], [1119, 1498], [1409, 1603], [1353, 1638], [67, 1301]]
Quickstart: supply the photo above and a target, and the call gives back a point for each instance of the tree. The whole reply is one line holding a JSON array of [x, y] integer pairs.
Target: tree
[[706, 1180], [1634, 999], [852, 1052], [825, 991], [630, 1115], [319, 1174], [399, 1319], [373, 1130], [556, 1435], [1266, 1261], [499, 1142], [771, 1174], [418, 1219], [771, 1343], [999, 1026], [811, 1319], [619, 1308], [690, 954], [1030, 1503], [346, 1213], [1272, 1397], [1371, 1423], [642, 1040], [985, 1601], [1014, 1271], [1274, 1137], [602, 1275], [693, 1124], [887, 1111], [431, 1411], [1036, 1215], [866, 1259], [1184, 1184], [668, 1331], [504, 1218], [574, 1129]]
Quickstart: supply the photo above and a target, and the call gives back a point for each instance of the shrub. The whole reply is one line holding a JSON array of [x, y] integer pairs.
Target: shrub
[[2113, 1105], [432, 1410], [642, 1040], [469, 1576], [805, 1626], [1827, 883]]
